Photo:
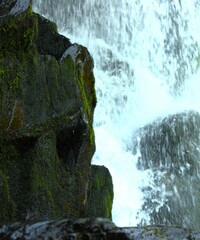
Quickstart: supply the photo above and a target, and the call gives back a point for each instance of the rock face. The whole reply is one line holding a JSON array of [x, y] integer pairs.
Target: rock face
[[91, 229], [13, 7], [100, 193], [169, 148], [47, 100]]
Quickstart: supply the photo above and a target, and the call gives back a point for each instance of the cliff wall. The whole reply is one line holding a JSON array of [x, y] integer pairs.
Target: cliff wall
[[47, 101]]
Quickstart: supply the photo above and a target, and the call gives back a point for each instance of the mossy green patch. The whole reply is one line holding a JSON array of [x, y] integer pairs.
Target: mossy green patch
[[9, 178], [17, 49], [17, 34], [44, 101], [4, 193], [14, 120], [85, 80], [100, 194], [7, 206]]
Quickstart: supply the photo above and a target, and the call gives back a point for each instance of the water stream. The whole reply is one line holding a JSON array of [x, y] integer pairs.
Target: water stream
[[146, 55]]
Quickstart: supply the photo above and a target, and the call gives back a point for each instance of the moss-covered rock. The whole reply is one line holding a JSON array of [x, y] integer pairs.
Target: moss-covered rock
[[47, 100], [100, 194]]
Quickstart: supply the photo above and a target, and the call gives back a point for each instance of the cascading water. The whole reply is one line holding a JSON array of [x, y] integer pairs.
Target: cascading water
[[146, 68]]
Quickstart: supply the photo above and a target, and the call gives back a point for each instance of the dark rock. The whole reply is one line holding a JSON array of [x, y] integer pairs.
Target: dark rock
[[100, 194], [20, 6], [50, 42], [13, 7], [47, 101], [92, 229], [170, 149]]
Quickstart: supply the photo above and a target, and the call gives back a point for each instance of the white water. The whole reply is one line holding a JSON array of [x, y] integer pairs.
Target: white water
[[140, 76]]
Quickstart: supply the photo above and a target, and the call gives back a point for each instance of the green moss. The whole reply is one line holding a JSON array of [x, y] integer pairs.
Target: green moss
[[52, 191], [45, 93], [85, 80], [155, 231], [10, 72], [16, 45], [109, 203], [5, 196], [33, 178], [17, 34], [8, 169], [42, 196], [4, 189], [100, 195], [86, 105], [13, 119]]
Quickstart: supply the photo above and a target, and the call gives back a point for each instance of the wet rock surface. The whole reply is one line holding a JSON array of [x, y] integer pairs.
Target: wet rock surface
[[169, 150], [50, 42], [47, 101], [101, 229], [100, 193], [13, 7]]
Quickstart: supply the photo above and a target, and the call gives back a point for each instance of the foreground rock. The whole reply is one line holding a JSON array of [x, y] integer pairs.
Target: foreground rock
[[101, 229], [100, 193], [47, 101], [169, 150]]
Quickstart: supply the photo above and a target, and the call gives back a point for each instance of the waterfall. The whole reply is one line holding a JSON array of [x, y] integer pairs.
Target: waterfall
[[146, 56]]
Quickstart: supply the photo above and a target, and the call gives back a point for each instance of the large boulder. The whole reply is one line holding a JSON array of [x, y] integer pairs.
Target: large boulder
[[169, 149], [47, 101]]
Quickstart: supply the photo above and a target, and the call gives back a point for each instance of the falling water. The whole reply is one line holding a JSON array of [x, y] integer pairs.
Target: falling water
[[146, 56]]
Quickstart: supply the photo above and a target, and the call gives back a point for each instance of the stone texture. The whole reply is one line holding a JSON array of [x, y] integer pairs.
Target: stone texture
[[13, 7], [169, 150], [92, 229], [50, 42], [100, 193], [47, 101]]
